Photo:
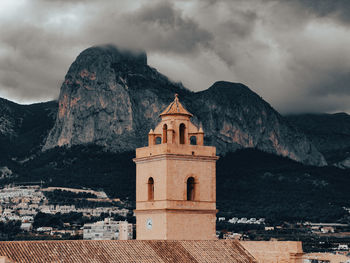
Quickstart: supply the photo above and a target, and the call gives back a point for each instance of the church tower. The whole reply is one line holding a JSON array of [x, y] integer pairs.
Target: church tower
[[176, 181]]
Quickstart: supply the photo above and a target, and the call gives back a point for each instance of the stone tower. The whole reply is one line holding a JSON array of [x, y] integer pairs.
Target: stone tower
[[176, 181]]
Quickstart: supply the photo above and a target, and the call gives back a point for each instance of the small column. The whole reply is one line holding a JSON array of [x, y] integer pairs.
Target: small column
[[151, 138], [170, 134], [187, 138], [200, 137]]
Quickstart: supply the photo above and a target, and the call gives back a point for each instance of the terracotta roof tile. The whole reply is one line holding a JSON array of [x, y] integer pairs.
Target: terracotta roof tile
[[103, 251], [175, 108]]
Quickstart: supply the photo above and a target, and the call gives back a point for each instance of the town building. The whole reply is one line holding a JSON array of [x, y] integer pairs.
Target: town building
[[108, 230], [326, 258], [275, 251], [26, 226], [176, 181], [125, 230]]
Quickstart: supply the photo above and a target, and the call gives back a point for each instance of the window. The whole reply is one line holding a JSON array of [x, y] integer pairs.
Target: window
[[190, 189], [150, 189], [193, 140], [158, 140], [165, 128], [182, 133]]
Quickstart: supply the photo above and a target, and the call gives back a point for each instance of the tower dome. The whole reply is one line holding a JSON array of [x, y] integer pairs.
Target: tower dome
[[176, 108]]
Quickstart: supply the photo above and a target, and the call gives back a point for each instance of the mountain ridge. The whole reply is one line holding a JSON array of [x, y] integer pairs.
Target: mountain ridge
[[113, 98]]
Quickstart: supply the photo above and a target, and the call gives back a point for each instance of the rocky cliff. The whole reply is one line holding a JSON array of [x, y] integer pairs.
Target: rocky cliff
[[23, 128], [236, 117], [112, 98], [330, 133], [11, 116]]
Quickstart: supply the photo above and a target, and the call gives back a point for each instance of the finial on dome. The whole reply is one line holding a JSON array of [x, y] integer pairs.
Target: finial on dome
[[176, 96]]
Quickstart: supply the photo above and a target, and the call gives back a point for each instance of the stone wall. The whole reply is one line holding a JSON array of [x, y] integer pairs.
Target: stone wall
[[275, 251]]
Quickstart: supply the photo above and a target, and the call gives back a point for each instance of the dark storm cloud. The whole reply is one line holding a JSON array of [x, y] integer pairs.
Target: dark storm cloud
[[298, 58], [159, 27], [339, 9], [171, 30], [335, 83], [295, 54]]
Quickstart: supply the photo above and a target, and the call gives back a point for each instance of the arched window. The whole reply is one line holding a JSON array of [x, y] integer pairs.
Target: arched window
[[150, 189], [190, 189], [158, 140], [182, 133], [165, 138], [193, 140]]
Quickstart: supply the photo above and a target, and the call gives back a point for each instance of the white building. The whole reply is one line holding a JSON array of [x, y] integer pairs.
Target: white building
[[20, 191], [343, 247], [231, 235], [125, 230], [26, 226], [108, 230], [243, 220], [44, 229], [233, 220]]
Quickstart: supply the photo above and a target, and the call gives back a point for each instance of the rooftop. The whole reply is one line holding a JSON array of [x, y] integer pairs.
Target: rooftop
[[176, 108], [125, 251]]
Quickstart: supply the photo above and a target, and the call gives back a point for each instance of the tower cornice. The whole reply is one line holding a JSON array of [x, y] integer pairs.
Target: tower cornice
[[170, 156]]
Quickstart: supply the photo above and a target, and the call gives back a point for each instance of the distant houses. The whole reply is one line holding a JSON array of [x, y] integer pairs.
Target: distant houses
[[108, 230], [243, 220], [18, 202], [23, 203]]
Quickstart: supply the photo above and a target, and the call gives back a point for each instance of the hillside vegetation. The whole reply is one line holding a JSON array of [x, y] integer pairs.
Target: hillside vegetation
[[250, 183]]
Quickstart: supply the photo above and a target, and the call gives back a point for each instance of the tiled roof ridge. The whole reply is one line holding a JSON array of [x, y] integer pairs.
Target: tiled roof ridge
[[132, 240]]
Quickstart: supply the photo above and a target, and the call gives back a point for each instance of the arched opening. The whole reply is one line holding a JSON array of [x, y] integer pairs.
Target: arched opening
[[193, 140], [190, 189], [150, 189], [165, 138], [158, 140], [182, 133]]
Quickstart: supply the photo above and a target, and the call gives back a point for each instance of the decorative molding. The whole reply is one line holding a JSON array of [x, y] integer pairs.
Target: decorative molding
[[170, 156]]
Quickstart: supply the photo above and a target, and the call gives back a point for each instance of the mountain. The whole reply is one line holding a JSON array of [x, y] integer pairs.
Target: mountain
[[330, 133], [23, 128], [112, 98]]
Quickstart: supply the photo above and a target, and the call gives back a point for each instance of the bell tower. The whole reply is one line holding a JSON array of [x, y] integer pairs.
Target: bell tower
[[176, 181]]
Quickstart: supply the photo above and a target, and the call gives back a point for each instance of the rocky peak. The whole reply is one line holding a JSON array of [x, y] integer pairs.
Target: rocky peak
[[7, 118], [100, 54], [112, 98]]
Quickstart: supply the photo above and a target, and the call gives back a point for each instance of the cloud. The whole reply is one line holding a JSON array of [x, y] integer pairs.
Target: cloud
[[156, 28], [295, 54], [339, 9]]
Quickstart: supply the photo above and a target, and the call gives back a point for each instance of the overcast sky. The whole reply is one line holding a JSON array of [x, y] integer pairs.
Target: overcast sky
[[293, 53]]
